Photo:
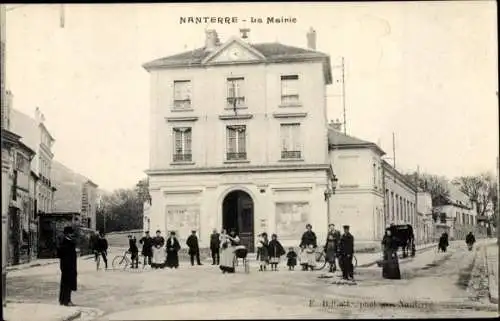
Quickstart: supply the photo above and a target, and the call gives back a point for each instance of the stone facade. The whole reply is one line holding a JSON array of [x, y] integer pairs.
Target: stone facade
[[229, 141]]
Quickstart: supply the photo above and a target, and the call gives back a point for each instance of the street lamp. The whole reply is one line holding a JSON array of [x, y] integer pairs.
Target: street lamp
[[330, 190]]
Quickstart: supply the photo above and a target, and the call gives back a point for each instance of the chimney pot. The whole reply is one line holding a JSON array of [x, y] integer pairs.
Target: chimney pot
[[211, 40], [311, 39]]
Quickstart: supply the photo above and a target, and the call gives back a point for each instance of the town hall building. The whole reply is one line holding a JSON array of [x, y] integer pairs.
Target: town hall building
[[239, 140]]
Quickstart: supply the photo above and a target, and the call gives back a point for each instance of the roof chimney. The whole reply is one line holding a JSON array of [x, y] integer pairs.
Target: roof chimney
[[336, 125], [311, 39], [211, 39]]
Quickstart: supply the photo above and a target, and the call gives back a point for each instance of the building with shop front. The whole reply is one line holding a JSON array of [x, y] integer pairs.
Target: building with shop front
[[238, 139]]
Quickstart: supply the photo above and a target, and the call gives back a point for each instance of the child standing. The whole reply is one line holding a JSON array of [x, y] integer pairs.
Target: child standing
[[276, 250], [134, 251], [263, 251], [291, 259]]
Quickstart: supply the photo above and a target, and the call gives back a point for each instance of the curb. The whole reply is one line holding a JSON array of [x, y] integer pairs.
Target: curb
[[491, 280], [74, 316]]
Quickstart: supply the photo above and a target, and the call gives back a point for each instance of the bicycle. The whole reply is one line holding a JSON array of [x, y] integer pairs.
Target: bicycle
[[321, 260], [123, 261]]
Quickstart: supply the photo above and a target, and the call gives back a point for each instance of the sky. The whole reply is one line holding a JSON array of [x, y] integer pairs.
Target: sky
[[426, 71]]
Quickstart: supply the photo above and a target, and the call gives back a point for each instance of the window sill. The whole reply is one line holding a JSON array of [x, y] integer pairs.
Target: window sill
[[182, 163], [291, 160], [293, 105], [180, 110], [237, 161], [232, 108]]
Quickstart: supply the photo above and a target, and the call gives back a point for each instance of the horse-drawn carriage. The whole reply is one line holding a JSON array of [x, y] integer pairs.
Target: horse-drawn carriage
[[405, 238]]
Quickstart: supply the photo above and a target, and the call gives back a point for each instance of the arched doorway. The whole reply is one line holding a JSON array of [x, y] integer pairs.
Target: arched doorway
[[237, 213]]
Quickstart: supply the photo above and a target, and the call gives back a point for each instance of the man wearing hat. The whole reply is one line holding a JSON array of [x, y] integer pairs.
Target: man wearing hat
[[346, 251], [147, 248], [66, 252], [194, 248]]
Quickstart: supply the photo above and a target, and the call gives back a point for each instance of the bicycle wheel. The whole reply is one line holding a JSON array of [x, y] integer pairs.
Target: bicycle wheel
[[320, 261], [119, 261]]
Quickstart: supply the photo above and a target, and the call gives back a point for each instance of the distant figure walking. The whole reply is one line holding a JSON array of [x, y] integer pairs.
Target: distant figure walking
[[443, 242], [291, 261], [194, 248], [263, 251], [68, 266], [346, 251], [390, 267], [173, 247], [147, 248], [215, 247], [158, 251], [308, 244], [470, 240], [276, 250]]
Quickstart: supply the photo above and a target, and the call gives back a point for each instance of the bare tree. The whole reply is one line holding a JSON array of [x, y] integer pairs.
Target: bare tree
[[481, 190], [435, 185]]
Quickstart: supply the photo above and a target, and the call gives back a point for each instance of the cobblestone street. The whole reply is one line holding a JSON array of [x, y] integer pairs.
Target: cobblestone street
[[433, 284]]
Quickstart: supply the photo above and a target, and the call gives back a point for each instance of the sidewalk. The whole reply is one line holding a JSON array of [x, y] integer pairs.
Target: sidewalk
[[41, 312], [492, 268], [39, 262]]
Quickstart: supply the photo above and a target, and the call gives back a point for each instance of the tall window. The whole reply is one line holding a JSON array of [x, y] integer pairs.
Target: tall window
[[392, 207], [290, 141], [289, 89], [236, 143], [182, 144], [235, 92], [374, 174], [22, 163], [182, 94], [442, 217]]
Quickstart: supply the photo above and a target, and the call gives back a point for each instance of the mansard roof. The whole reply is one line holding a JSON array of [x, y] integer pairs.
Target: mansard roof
[[338, 140], [273, 52]]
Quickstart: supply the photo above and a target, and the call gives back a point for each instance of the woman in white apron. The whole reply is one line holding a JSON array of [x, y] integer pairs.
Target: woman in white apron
[[228, 243], [159, 255]]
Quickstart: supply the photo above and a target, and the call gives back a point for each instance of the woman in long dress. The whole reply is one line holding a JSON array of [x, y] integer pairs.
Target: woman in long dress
[[390, 267], [262, 251], [173, 247], [228, 243], [308, 244], [158, 251]]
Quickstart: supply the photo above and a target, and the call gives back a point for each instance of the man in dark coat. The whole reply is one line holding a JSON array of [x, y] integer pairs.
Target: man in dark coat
[[470, 240], [346, 251], [102, 249], [67, 264], [443, 242], [336, 239], [147, 248], [194, 248], [173, 248], [215, 247]]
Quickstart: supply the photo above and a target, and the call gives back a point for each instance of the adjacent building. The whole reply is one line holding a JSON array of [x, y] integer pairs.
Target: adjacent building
[[371, 194], [76, 194], [425, 224], [231, 131]]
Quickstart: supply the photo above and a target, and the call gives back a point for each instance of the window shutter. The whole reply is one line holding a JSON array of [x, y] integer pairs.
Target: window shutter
[[187, 141], [296, 136], [231, 140], [178, 141]]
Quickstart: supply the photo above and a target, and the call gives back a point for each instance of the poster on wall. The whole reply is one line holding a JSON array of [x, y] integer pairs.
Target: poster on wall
[[183, 219], [291, 219]]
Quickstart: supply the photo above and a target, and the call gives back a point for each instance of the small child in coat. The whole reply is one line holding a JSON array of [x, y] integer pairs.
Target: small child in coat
[[134, 251], [275, 250], [291, 259]]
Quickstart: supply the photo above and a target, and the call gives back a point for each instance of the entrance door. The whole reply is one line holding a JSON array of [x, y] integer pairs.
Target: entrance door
[[237, 214]]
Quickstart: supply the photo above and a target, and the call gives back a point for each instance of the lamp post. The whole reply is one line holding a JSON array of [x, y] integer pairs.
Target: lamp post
[[330, 190]]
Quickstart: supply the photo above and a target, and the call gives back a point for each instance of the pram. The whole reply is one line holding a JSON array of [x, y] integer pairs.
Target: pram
[[240, 252]]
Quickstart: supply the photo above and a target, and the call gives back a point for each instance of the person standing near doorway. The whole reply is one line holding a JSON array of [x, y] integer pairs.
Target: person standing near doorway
[[158, 251], [215, 247], [346, 249], [194, 248], [308, 244], [173, 247], [66, 253]]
